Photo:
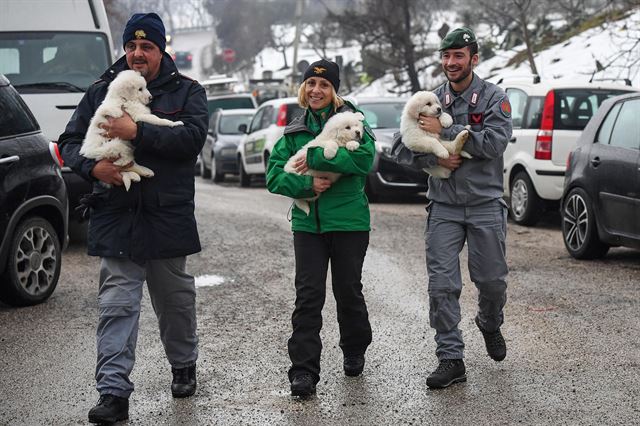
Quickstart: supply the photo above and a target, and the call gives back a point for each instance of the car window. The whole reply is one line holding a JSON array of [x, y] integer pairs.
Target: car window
[[384, 115], [255, 122], [518, 101], [533, 113], [46, 57], [575, 107], [230, 103], [14, 118], [229, 124], [268, 117], [626, 130], [604, 134]]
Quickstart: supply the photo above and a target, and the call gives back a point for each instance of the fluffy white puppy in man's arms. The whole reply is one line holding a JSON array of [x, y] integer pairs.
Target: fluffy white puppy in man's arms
[[418, 140], [127, 93]]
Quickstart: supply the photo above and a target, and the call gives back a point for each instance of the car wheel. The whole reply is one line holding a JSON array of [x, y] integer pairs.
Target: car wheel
[[215, 175], [245, 179], [525, 205], [579, 231], [33, 265], [205, 172]]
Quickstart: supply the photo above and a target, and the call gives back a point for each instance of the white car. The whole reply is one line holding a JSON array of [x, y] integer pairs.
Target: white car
[[267, 126], [548, 117]]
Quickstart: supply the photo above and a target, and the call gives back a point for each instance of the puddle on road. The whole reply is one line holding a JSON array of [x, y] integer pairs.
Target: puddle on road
[[209, 280]]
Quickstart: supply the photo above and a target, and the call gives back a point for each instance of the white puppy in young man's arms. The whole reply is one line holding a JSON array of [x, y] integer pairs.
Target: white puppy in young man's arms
[[127, 92], [344, 129], [418, 140]]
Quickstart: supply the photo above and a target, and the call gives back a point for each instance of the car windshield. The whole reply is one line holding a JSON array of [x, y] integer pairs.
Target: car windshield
[[574, 107], [37, 62], [229, 123], [382, 115], [230, 103]]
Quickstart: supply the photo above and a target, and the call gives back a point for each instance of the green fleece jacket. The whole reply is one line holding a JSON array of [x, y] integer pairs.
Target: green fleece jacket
[[344, 206]]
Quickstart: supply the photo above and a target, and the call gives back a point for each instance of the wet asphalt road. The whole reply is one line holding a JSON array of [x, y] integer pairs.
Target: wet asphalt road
[[572, 331]]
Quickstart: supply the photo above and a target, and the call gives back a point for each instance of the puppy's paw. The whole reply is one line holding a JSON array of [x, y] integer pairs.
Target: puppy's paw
[[330, 151], [441, 152], [446, 120], [465, 154], [177, 123], [352, 145]]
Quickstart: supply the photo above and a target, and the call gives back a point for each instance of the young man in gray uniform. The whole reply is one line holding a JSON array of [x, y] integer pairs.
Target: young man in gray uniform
[[467, 206]]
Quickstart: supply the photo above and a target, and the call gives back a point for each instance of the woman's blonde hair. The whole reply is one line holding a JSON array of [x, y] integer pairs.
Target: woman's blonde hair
[[336, 100]]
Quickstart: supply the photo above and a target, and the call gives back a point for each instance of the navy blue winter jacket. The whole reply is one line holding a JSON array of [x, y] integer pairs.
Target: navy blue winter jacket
[[155, 218]]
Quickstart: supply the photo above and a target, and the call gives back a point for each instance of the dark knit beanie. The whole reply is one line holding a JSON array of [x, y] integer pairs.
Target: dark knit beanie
[[325, 69], [145, 26]]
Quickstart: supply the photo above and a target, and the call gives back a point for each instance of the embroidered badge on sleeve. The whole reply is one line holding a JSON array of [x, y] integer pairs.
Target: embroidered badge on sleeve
[[505, 108]]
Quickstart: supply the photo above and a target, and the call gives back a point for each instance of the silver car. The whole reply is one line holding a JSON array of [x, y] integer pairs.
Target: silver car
[[218, 156]]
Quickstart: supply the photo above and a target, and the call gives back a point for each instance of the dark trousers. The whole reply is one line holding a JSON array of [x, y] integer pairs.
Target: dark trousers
[[313, 251]]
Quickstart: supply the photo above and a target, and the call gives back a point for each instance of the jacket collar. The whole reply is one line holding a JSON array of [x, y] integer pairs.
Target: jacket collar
[[471, 95], [299, 124]]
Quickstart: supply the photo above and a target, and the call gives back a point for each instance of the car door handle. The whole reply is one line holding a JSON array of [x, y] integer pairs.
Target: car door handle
[[512, 140], [595, 161], [8, 160]]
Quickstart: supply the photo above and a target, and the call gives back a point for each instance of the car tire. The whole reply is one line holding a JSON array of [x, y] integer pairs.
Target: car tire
[[245, 179], [33, 264], [579, 230], [215, 175], [525, 206], [205, 172]]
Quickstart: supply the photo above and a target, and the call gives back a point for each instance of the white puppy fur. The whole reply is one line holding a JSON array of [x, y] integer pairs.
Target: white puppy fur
[[127, 92], [418, 140], [344, 129]]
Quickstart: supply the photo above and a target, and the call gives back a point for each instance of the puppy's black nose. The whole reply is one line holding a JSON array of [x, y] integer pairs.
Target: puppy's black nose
[[358, 133], [439, 110]]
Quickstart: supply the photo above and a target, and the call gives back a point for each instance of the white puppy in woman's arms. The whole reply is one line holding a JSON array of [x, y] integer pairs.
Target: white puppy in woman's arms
[[127, 93]]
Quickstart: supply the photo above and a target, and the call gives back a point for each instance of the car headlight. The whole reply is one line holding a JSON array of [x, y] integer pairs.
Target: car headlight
[[383, 147]]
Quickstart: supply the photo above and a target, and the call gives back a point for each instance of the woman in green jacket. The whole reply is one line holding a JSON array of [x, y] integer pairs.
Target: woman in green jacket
[[336, 228]]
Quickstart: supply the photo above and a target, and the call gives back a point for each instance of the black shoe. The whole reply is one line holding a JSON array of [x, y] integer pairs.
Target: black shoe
[[109, 409], [184, 382], [496, 347], [449, 371], [353, 365], [303, 385]]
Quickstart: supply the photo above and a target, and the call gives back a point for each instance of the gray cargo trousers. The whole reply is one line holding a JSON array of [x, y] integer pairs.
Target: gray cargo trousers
[[173, 296], [484, 228]]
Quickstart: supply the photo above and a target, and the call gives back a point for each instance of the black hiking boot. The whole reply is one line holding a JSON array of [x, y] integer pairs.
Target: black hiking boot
[[303, 385], [184, 381], [496, 346], [353, 365], [109, 409], [449, 371]]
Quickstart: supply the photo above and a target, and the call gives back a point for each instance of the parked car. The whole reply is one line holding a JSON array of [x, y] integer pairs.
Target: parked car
[[231, 101], [267, 126], [386, 176], [218, 156], [183, 59], [601, 197], [33, 205], [548, 117]]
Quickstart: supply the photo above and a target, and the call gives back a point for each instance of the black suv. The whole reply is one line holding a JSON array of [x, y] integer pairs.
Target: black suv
[[33, 205]]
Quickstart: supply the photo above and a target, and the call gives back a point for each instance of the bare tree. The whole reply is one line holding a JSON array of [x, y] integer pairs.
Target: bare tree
[[393, 34]]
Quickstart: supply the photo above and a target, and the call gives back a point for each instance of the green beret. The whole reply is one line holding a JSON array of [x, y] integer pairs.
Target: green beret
[[458, 38]]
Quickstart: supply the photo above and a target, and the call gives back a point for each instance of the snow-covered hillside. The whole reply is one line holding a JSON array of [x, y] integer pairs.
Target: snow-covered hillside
[[615, 45]]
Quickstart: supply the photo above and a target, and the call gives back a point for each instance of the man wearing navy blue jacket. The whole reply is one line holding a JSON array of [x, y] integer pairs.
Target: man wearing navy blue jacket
[[143, 234]]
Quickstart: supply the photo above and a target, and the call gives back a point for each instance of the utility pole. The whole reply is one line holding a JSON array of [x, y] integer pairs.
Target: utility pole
[[296, 43]]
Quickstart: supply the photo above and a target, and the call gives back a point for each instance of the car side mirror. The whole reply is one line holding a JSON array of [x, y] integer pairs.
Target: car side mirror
[[242, 128]]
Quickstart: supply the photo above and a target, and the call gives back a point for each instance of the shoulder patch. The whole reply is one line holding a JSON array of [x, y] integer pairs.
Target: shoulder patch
[[505, 108]]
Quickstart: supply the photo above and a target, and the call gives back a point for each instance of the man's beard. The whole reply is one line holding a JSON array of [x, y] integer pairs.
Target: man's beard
[[464, 73]]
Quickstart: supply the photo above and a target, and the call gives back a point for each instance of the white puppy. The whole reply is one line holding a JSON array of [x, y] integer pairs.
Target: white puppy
[[418, 140], [343, 129], [127, 92]]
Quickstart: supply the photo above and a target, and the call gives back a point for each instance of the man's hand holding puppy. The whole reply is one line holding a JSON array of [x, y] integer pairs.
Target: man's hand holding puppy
[[432, 125]]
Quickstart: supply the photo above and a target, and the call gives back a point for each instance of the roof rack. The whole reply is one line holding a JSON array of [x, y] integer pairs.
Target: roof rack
[[627, 82], [535, 77]]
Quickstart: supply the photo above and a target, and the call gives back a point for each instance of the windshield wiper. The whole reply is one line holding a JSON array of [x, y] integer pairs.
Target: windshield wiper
[[69, 87]]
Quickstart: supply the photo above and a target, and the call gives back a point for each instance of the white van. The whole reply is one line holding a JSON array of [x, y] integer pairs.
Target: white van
[[52, 51]]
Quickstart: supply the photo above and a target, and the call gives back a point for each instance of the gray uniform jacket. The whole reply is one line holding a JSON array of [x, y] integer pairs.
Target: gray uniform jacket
[[486, 108]]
